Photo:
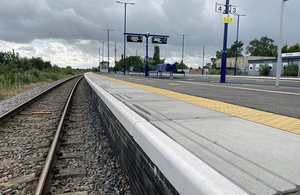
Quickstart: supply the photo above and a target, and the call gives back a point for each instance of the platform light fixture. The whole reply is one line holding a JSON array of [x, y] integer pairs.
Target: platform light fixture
[[124, 31], [237, 39], [279, 58], [182, 49], [108, 45]]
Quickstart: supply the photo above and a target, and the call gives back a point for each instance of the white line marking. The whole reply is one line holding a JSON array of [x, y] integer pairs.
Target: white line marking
[[262, 90]]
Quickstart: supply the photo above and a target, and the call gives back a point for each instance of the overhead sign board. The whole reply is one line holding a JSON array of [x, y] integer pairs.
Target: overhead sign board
[[226, 18], [134, 38], [159, 40]]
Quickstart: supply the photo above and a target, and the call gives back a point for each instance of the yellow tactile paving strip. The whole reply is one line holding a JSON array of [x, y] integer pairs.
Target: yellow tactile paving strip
[[273, 120]]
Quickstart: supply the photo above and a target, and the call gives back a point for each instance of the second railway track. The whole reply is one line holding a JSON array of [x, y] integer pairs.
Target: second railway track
[[85, 163]]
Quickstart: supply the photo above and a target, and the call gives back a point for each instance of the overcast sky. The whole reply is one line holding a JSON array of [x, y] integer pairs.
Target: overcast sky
[[70, 32]]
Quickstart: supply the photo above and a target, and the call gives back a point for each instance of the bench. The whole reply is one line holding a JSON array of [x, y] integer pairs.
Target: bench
[[160, 68], [173, 69], [135, 69]]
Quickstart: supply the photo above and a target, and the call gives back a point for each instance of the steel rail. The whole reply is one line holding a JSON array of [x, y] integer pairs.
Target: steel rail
[[47, 166], [20, 107]]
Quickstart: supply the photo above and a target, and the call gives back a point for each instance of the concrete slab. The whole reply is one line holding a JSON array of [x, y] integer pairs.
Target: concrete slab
[[145, 112], [140, 96], [252, 141], [176, 110], [230, 151]]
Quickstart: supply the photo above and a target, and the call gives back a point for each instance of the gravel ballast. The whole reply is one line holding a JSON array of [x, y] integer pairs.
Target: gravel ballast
[[104, 175]]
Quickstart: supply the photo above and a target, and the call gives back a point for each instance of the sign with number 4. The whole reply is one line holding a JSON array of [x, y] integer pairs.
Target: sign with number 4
[[220, 8]]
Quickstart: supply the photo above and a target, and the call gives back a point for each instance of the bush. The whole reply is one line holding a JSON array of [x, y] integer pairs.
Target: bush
[[2, 79], [16, 71], [24, 77], [264, 70], [291, 70], [215, 72], [36, 75], [68, 70], [52, 76]]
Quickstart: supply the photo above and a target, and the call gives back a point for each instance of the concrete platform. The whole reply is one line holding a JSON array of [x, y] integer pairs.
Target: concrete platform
[[214, 153]]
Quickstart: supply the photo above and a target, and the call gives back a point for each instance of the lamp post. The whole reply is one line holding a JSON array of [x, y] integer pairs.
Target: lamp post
[[102, 46], [124, 31], [102, 50], [203, 59], [237, 39], [108, 46], [182, 50], [136, 57], [115, 57], [279, 61]]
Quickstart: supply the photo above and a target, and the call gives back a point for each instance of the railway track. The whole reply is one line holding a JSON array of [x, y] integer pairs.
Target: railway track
[[50, 148]]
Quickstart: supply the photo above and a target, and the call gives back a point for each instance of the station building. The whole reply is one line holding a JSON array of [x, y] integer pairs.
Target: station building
[[287, 59], [241, 63]]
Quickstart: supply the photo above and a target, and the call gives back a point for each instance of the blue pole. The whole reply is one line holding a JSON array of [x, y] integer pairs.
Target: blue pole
[[146, 69], [224, 53]]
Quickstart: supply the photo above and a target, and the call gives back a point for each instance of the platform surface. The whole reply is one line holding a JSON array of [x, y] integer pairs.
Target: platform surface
[[258, 158]]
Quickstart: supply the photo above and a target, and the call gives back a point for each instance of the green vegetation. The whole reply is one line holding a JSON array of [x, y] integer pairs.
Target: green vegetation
[[156, 55], [238, 72], [215, 72], [231, 51], [264, 70], [181, 66], [213, 62], [16, 71], [138, 61], [291, 70], [291, 49], [262, 47]]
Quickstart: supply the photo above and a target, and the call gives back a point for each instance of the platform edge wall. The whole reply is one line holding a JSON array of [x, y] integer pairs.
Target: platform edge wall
[[141, 173]]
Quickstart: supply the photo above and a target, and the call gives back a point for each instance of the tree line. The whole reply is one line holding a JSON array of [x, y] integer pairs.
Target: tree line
[[263, 47], [16, 71], [140, 62]]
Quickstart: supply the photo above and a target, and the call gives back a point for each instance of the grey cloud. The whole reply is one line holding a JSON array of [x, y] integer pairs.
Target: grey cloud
[[26, 48], [70, 22]]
